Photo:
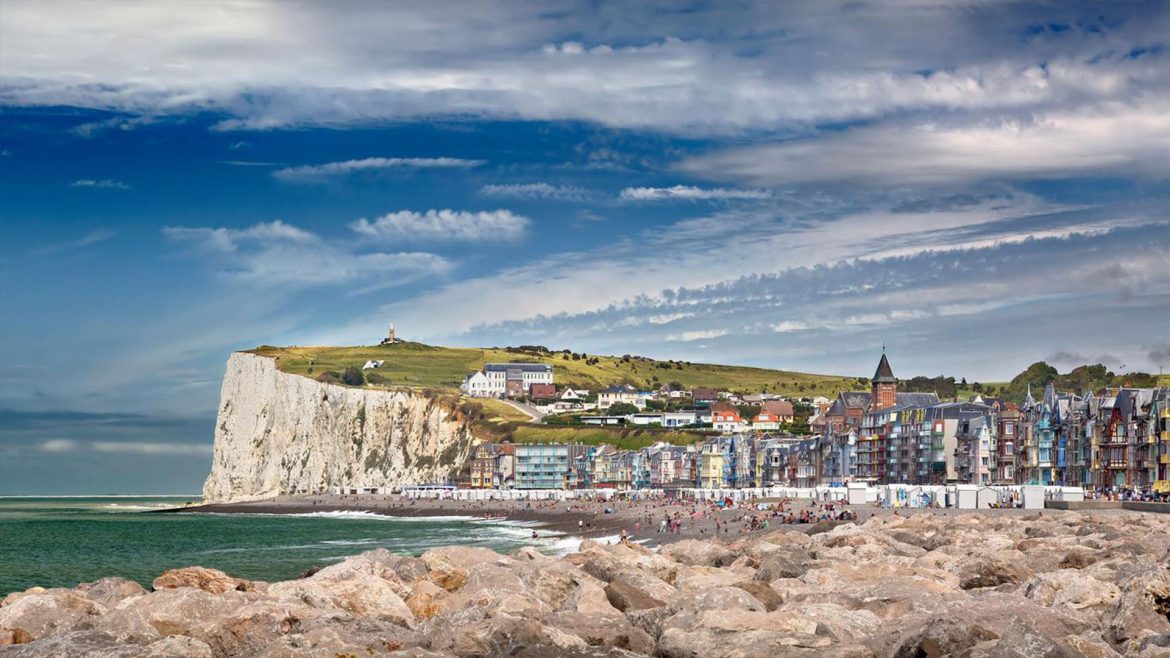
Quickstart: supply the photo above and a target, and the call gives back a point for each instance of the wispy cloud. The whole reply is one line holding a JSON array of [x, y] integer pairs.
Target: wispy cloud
[[103, 184], [318, 172], [146, 448], [93, 237], [444, 226], [543, 191], [688, 193], [59, 445], [276, 253]]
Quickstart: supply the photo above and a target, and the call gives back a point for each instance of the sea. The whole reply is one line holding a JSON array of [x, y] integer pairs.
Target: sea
[[63, 541]]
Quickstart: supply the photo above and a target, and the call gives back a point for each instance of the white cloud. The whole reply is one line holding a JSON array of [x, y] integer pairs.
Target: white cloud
[[687, 193], [148, 448], [703, 334], [747, 69], [1114, 138], [104, 184], [444, 225], [276, 253], [311, 173], [59, 445], [536, 191]]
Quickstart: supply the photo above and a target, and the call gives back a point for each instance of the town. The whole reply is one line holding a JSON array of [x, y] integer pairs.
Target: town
[[1110, 442]]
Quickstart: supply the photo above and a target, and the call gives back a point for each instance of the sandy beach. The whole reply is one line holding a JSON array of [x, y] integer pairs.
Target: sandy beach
[[640, 519]]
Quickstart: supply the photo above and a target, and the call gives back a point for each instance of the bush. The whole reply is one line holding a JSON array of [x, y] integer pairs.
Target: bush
[[621, 409], [353, 377], [377, 380], [330, 377]]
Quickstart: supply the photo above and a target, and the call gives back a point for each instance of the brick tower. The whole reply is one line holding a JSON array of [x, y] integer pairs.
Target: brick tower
[[885, 385]]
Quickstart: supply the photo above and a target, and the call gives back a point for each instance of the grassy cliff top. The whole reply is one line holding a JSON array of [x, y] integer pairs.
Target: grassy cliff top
[[415, 364]]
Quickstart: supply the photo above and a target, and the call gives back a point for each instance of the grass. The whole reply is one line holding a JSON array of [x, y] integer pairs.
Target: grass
[[417, 365], [622, 438]]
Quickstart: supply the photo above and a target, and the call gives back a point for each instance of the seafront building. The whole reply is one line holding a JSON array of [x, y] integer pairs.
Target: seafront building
[[1118, 438]]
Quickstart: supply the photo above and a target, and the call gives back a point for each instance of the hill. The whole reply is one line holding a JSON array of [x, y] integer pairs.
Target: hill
[[419, 365], [1094, 377]]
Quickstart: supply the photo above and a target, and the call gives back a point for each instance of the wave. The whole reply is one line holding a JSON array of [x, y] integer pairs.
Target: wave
[[342, 514]]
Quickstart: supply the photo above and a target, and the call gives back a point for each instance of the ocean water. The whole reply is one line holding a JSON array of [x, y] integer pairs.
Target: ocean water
[[60, 542]]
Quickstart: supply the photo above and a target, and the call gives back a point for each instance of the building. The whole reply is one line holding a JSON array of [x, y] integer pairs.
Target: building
[[765, 422], [547, 465], [781, 409], [506, 379], [493, 466], [615, 394], [704, 396], [542, 392], [727, 421]]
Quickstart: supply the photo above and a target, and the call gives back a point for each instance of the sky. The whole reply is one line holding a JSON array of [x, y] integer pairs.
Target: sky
[[974, 185]]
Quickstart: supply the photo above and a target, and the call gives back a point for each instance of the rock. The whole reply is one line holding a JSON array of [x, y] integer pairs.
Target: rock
[[780, 564], [50, 612], [990, 572], [1077, 559], [603, 630], [700, 553], [742, 634], [554, 581], [459, 557], [208, 580], [762, 592], [251, 629], [110, 591], [357, 585], [74, 644], [11, 636], [425, 601], [1071, 588], [174, 611], [178, 646], [632, 590], [1144, 605]]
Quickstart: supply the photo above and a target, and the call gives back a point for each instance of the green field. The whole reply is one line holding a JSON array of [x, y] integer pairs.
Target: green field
[[622, 438], [418, 365]]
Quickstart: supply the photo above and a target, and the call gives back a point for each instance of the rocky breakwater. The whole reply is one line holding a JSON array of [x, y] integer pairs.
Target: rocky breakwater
[[1067, 584], [278, 433]]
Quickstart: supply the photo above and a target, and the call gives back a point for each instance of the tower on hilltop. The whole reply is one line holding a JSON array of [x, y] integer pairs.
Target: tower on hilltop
[[390, 339], [885, 385]]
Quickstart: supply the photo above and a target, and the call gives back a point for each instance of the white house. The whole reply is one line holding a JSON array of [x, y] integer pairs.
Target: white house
[[477, 385], [679, 418], [612, 395], [645, 419], [507, 379], [573, 395], [372, 364]]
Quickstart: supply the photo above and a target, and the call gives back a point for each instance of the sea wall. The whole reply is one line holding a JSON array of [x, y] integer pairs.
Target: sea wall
[[278, 433]]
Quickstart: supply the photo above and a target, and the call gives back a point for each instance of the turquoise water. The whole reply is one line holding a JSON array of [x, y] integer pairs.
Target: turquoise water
[[60, 542]]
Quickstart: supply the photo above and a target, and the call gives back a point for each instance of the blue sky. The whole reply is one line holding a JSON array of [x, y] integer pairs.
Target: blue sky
[[977, 185]]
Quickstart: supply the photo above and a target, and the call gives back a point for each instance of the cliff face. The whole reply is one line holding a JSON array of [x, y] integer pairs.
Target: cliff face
[[278, 433]]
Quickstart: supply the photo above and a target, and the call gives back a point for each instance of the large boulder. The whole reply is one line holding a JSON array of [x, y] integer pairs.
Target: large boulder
[[700, 553], [74, 644], [110, 591], [170, 612], [357, 585], [1072, 588], [633, 590], [208, 580], [49, 612], [990, 572]]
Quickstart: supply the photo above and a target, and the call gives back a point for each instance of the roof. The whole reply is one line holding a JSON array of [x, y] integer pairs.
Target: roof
[[779, 407], [917, 399], [884, 374], [522, 367], [854, 399], [705, 393]]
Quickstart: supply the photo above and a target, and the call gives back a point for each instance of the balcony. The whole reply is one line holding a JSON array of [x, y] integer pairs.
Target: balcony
[[1164, 459], [1115, 464]]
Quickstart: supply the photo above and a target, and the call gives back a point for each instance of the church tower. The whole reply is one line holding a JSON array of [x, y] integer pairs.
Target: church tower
[[391, 339], [885, 385]]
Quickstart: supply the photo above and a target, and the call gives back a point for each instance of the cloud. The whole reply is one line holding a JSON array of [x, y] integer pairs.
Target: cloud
[[93, 237], [313, 173], [744, 69], [444, 226], [104, 184], [1159, 355], [542, 191], [59, 445], [276, 253], [702, 334], [147, 448], [687, 193], [1112, 139]]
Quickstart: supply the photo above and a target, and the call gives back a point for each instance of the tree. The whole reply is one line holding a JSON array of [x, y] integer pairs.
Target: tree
[[621, 409], [655, 405], [353, 377], [676, 386], [377, 380]]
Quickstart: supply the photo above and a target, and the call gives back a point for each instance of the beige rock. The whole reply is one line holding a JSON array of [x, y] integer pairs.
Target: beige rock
[[110, 591], [50, 612], [208, 580], [695, 552], [1071, 588], [169, 612], [633, 590], [362, 587], [178, 646]]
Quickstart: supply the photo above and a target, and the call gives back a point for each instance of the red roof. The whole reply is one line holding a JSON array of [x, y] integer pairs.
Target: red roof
[[543, 391]]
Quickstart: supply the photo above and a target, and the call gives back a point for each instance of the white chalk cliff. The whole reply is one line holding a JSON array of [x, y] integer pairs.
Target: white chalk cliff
[[280, 433]]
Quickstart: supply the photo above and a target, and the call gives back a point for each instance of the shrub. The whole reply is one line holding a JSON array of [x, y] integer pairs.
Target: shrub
[[330, 377], [353, 377], [621, 409], [377, 380]]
